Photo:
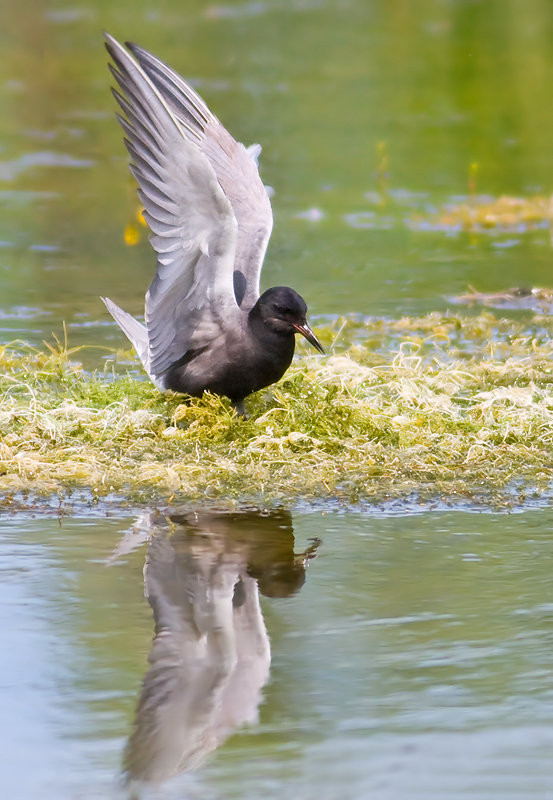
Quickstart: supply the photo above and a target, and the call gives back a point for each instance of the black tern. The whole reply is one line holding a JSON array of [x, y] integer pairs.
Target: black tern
[[206, 326]]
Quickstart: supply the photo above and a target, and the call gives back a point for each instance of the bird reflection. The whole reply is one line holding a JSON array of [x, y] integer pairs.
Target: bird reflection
[[210, 655]]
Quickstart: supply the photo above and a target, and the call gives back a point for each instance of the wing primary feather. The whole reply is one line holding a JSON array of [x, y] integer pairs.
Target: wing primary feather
[[140, 131], [129, 85], [194, 229], [235, 168], [147, 167], [182, 107], [139, 112], [134, 114], [156, 194], [150, 62]]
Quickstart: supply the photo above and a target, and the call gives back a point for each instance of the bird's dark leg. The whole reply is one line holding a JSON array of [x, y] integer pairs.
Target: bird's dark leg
[[240, 409]]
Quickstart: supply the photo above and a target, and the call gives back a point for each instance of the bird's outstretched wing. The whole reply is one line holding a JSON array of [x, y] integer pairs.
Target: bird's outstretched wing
[[194, 228], [235, 167]]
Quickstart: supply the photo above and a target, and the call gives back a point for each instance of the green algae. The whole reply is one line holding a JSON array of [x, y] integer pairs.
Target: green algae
[[503, 213], [443, 406]]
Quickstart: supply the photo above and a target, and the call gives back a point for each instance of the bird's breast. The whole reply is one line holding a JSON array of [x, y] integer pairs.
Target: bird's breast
[[234, 367]]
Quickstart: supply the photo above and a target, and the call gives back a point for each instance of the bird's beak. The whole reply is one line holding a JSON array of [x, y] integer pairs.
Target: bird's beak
[[306, 331]]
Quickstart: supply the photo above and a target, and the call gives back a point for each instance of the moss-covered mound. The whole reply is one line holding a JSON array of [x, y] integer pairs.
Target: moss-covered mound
[[441, 406]]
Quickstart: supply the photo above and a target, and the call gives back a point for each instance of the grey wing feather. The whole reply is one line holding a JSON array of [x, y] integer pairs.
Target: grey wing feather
[[194, 229], [235, 167], [135, 332]]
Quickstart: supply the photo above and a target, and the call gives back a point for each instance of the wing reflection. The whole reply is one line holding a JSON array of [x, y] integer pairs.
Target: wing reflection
[[210, 655]]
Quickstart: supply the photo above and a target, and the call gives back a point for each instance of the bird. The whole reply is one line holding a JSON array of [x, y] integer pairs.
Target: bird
[[207, 328]]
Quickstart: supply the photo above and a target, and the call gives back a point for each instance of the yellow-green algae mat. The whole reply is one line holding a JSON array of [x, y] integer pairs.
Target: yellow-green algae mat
[[443, 406]]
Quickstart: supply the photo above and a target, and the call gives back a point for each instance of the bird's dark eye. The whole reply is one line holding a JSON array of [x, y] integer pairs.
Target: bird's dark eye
[[282, 311]]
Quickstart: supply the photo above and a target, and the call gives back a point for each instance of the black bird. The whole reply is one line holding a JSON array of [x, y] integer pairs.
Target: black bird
[[206, 327]]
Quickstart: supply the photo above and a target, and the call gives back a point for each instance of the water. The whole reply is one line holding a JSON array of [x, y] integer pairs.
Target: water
[[408, 656], [323, 86], [415, 659]]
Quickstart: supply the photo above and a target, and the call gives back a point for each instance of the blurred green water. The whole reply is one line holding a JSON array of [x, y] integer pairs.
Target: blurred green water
[[324, 86]]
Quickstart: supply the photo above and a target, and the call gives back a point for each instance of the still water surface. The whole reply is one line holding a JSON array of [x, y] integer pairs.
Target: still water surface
[[408, 656], [415, 659]]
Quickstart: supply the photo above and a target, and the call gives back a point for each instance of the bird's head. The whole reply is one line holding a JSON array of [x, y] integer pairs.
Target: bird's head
[[284, 311]]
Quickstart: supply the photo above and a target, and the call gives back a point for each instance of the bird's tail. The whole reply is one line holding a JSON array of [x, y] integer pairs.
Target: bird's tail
[[135, 332]]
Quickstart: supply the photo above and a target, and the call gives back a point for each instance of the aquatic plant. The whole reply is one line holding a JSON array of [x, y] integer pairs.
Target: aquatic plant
[[441, 407], [483, 213]]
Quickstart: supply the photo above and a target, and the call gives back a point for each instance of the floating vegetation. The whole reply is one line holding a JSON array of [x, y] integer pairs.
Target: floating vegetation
[[471, 213], [518, 297], [441, 407], [481, 213]]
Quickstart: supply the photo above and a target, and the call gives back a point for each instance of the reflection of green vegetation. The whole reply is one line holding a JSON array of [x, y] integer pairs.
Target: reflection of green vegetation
[[464, 407]]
